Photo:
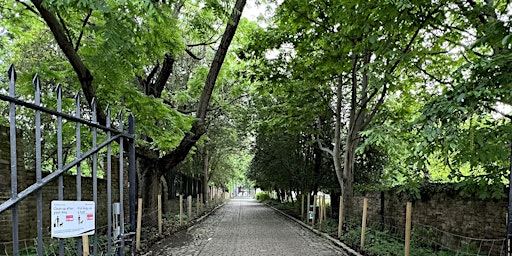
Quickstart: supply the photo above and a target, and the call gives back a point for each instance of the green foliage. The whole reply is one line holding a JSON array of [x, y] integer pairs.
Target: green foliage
[[262, 197], [301, 165], [385, 243]]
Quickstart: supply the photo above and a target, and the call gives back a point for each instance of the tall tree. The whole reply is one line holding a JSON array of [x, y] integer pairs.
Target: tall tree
[[355, 49], [140, 42]]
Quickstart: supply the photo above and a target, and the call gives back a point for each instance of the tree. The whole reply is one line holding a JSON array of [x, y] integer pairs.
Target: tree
[[355, 50], [90, 35]]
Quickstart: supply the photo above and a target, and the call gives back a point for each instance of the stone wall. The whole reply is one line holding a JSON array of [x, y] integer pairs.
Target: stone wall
[[447, 211], [27, 208]]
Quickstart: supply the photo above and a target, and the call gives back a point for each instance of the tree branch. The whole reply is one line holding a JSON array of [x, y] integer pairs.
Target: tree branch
[[439, 80], [152, 73], [191, 54], [28, 7], [312, 20], [77, 45], [84, 75], [202, 44], [328, 150], [392, 69], [63, 24], [164, 74], [497, 111], [198, 127]]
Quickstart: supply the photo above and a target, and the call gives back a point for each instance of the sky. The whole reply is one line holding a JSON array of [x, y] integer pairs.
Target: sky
[[252, 11]]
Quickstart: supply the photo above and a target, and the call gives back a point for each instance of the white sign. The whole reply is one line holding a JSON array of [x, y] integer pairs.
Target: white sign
[[72, 218]]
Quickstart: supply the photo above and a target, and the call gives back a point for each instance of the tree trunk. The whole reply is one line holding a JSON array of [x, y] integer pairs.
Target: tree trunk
[[348, 173], [317, 167], [149, 182], [165, 194], [198, 127], [336, 153]]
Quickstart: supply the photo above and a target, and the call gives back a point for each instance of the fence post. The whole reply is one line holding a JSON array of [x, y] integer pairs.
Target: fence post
[[189, 212], [181, 210], [340, 218], [314, 211], [363, 224], [85, 245], [408, 213], [302, 208], [320, 212], [325, 208], [197, 205], [201, 202], [308, 211], [139, 225], [159, 214]]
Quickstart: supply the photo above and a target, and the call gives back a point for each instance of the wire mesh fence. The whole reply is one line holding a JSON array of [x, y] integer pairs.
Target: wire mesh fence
[[386, 234]]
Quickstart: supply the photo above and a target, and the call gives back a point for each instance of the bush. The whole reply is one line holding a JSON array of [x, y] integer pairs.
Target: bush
[[262, 196]]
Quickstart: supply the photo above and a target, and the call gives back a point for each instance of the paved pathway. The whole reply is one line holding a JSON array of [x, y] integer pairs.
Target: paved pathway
[[246, 227]]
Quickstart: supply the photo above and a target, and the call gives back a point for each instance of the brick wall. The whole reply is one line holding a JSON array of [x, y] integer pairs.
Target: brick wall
[[447, 211], [27, 208]]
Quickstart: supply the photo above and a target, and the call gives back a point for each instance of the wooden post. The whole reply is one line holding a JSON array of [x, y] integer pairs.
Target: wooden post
[[85, 245], [363, 224], [189, 212], [309, 205], [320, 213], [302, 209], [314, 211], [197, 205], [139, 225], [325, 208], [201, 202], [159, 214], [408, 214], [181, 209], [340, 219]]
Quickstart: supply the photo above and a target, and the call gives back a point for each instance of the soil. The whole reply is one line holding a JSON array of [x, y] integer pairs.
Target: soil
[[173, 240]]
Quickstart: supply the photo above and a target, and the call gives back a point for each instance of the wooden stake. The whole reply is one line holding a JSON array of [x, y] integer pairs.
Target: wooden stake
[[197, 205], [139, 225], [340, 219], [159, 214], [85, 245], [320, 213], [181, 209], [189, 212], [309, 207], [201, 202], [314, 211], [408, 214], [302, 208], [325, 209], [363, 224]]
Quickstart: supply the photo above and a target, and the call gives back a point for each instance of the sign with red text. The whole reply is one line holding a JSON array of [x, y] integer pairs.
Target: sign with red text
[[72, 218]]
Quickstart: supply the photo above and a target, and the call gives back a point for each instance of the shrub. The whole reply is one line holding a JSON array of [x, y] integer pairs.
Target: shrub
[[262, 196]]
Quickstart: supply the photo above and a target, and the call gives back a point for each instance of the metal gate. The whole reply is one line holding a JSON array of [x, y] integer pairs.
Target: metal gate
[[112, 136]]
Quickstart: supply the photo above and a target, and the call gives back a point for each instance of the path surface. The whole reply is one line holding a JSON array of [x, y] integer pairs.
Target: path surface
[[246, 227]]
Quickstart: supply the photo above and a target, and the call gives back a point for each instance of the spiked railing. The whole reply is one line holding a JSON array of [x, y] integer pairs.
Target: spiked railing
[[113, 135]]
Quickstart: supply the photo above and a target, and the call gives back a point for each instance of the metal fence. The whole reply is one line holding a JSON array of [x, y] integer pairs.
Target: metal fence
[[112, 136]]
